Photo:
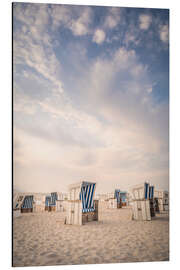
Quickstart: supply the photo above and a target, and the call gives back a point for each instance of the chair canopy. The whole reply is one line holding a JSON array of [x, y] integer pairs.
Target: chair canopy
[[151, 192], [85, 192], [50, 200], [117, 194], [28, 202]]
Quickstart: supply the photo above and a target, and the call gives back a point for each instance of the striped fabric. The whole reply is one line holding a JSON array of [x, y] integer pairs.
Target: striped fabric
[[117, 194], [151, 192], [28, 202], [47, 200], [146, 189], [53, 198], [86, 196]]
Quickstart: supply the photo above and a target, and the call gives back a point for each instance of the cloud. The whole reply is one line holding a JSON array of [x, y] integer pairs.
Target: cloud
[[76, 19], [80, 26], [144, 21], [23, 104], [99, 36], [33, 45], [132, 37], [164, 33], [60, 15], [120, 92], [78, 116], [113, 18]]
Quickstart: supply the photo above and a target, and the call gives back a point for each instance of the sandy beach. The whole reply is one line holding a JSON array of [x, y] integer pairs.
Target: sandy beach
[[43, 239]]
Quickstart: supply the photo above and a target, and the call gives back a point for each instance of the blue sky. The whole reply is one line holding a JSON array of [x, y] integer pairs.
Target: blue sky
[[91, 96]]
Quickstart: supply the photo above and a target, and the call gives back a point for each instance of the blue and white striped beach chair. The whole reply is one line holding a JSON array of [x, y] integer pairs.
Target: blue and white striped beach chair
[[86, 196], [27, 205], [81, 204], [143, 201], [50, 201]]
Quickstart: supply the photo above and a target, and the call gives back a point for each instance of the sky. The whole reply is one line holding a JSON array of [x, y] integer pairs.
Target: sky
[[90, 97]]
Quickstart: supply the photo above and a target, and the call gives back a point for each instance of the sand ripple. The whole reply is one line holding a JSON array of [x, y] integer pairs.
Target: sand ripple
[[43, 239]]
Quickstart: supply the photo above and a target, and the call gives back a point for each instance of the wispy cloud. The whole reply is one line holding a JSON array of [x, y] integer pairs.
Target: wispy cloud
[[33, 45]]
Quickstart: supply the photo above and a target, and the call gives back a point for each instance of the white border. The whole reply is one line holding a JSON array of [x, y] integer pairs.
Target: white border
[[5, 139]]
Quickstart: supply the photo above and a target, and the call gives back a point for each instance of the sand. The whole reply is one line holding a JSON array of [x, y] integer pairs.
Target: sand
[[43, 239]]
